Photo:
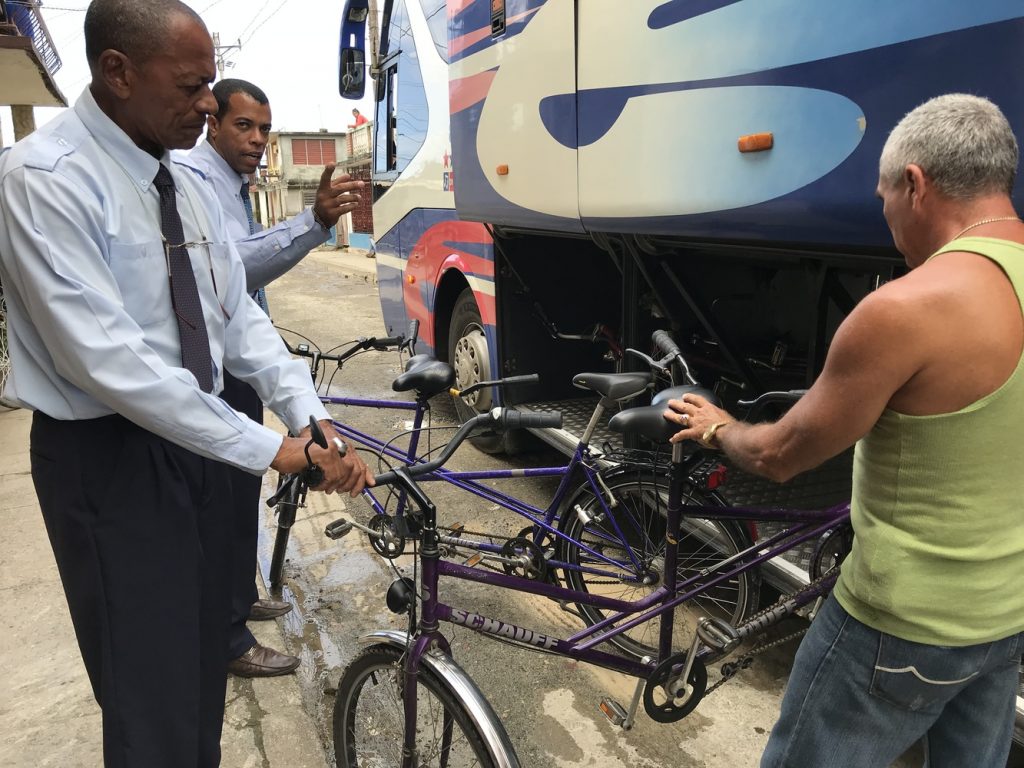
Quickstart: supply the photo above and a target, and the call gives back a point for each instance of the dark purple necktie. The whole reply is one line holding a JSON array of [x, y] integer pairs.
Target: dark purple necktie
[[188, 308]]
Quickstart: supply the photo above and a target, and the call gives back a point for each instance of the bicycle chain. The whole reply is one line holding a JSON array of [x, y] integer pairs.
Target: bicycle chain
[[729, 670], [491, 538]]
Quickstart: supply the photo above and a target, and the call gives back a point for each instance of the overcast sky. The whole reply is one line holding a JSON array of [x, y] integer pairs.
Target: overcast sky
[[289, 49]]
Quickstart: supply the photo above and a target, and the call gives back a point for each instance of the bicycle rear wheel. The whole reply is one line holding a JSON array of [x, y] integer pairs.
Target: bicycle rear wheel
[[369, 717], [640, 515]]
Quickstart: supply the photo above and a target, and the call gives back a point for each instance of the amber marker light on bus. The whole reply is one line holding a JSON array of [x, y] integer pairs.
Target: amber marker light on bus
[[502, 170], [756, 142], [410, 279]]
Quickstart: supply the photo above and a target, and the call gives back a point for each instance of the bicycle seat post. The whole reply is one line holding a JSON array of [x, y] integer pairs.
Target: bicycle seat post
[[595, 419], [675, 495]]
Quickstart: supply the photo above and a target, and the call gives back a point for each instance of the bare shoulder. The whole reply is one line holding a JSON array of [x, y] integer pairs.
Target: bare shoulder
[[884, 332]]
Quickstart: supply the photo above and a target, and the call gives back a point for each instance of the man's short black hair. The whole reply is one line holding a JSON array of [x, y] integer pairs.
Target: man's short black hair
[[136, 28], [223, 90]]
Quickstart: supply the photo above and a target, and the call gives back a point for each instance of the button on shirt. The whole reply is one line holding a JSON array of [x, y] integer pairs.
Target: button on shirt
[[269, 253], [91, 327]]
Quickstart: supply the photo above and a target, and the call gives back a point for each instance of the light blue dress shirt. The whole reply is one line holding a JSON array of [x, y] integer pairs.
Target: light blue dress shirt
[[91, 327], [269, 253]]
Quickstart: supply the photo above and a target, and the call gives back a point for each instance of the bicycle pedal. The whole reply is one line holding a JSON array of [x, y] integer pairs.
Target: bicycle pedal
[[473, 560], [615, 712], [455, 530], [717, 634], [338, 528]]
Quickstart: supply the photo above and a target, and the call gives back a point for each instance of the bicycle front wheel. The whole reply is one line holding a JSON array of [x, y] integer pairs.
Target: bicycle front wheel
[[286, 509], [5, 358], [626, 556], [369, 717]]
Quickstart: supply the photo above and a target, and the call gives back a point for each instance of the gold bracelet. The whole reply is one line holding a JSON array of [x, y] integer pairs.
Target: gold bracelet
[[708, 438]]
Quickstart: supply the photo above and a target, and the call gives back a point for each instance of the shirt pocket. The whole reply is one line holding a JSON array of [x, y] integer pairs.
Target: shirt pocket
[[222, 263], [140, 270]]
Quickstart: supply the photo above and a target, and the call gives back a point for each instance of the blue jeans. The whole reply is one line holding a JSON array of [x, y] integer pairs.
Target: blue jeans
[[860, 698]]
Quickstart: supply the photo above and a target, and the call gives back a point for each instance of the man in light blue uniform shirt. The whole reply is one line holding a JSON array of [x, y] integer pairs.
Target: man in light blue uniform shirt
[[236, 139], [127, 304]]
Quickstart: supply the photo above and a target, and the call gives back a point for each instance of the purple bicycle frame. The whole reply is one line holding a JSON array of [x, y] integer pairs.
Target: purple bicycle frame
[[543, 519], [660, 603]]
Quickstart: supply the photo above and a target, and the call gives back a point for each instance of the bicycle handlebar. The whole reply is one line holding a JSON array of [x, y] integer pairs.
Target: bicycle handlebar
[[758, 404], [499, 417], [665, 343], [530, 378]]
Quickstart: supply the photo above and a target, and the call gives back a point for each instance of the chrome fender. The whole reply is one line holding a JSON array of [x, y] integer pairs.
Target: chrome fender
[[480, 711]]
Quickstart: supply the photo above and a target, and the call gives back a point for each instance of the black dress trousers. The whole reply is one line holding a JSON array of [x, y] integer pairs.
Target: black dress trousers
[[140, 532], [244, 512]]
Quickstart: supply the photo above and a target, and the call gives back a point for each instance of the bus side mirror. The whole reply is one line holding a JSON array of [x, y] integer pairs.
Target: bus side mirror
[[352, 73]]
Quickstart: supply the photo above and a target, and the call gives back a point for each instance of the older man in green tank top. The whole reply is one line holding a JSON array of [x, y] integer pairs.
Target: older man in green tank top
[[923, 634]]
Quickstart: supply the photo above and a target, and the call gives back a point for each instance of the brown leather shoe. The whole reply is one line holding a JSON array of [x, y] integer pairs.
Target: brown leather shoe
[[268, 609], [260, 661]]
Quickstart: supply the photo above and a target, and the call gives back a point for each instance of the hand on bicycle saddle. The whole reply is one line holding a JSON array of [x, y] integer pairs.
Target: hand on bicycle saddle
[[698, 420], [346, 474]]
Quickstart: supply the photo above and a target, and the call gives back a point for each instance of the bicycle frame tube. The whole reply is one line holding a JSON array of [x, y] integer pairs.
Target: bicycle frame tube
[[543, 519]]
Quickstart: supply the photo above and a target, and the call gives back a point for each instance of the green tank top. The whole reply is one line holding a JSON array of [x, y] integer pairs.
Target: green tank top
[[938, 511]]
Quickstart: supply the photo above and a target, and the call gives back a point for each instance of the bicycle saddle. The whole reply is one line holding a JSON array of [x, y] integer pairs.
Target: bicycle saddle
[[417, 360], [674, 393], [647, 420], [430, 377], [617, 386]]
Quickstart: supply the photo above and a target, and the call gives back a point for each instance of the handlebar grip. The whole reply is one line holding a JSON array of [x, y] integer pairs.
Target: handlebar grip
[[530, 378], [414, 331], [312, 476], [516, 419], [665, 343], [388, 341]]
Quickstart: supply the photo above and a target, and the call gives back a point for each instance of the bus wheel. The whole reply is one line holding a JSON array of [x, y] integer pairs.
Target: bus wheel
[[468, 352]]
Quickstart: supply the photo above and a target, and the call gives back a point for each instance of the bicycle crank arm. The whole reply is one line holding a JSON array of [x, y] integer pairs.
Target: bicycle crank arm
[[342, 527]]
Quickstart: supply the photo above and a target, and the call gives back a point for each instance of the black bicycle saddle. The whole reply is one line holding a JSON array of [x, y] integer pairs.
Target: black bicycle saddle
[[428, 377], [617, 386]]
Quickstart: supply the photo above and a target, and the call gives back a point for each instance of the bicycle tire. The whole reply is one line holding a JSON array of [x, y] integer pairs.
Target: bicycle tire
[[5, 357], [286, 509], [640, 513], [368, 730]]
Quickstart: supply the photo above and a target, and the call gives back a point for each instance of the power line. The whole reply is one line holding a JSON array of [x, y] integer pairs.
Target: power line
[[280, 7], [254, 17]]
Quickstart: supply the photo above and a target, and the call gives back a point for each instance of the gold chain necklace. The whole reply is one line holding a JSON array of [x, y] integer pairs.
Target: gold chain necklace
[[984, 221]]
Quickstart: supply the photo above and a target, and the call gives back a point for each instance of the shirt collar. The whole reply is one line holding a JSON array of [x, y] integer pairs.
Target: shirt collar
[[219, 165], [140, 166]]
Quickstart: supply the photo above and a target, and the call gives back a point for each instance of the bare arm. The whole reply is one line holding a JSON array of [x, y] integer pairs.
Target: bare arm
[[872, 356]]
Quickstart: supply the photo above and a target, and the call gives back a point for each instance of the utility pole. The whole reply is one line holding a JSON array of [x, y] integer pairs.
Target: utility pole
[[219, 51], [372, 30]]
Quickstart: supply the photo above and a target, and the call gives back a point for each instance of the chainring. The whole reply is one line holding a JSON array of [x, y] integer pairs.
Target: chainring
[[663, 700], [390, 545], [527, 559]]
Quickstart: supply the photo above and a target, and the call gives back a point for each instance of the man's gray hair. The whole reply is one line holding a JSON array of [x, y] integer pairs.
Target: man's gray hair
[[963, 143], [136, 28]]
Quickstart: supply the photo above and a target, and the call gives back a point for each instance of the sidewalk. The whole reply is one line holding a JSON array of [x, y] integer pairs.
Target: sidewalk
[[356, 261], [46, 704]]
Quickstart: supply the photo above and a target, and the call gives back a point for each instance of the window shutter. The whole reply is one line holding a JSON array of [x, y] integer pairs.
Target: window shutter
[[327, 147], [299, 152]]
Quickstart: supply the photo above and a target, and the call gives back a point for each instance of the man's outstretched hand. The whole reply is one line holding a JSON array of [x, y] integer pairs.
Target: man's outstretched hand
[[335, 197]]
